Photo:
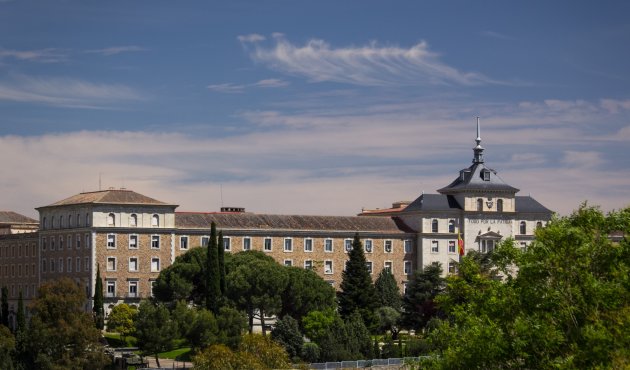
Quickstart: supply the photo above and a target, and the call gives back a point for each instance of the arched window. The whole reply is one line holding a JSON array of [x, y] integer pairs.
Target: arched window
[[539, 224], [500, 205], [451, 226], [69, 220], [479, 204], [133, 220], [87, 219], [434, 226], [111, 219], [523, 228], [52, 222], [44, 223], [61, 225], [155, 220]]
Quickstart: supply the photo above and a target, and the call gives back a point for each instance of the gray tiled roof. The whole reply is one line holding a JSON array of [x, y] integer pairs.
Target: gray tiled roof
[[251, 221], [528, 204], [473, 180], [111, 196], [433, 202], [10, 217]]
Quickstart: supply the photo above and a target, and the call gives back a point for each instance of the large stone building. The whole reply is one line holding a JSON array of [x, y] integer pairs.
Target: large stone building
[[132, 237]]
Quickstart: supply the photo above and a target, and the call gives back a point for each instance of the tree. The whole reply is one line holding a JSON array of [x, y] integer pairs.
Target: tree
[[232, 323], [256, 288], [121, 318], [213, 294], [357, 290], [185, 279], [21, 318], [99, 311], [255, 352], [287, 333], [388, 319], [419, 301], [387, 290], [5, 306], [358, 341], [305, 292], [7, 346], [204, 330], [61, 335], [269, 353], [155, 329], [318, 323], [221, 253]]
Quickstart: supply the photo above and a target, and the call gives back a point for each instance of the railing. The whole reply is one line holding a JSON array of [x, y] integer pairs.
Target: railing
[[363, 363]]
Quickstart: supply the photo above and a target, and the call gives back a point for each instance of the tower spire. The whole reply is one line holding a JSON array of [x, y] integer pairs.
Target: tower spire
[[478, 150]]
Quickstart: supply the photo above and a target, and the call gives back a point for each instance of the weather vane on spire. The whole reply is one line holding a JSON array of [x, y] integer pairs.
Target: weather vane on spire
[[478, 150]]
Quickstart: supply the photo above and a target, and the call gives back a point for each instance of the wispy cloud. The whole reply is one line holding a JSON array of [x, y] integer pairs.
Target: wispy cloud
[[253, 37], [117, 50], [582, 159], [369, 65], [66, 92], [48, 55], [497, 35], [231, 88]]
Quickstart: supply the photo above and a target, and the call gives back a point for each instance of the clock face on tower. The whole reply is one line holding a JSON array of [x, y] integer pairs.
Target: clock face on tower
[[489, 203]]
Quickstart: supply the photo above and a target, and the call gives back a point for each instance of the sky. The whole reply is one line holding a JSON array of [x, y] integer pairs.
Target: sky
[[312, 107]]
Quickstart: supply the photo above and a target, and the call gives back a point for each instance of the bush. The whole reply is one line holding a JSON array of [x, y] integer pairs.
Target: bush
[[310, 352]]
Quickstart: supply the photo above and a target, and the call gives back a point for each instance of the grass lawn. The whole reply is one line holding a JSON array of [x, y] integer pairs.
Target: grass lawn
[[181, 354], [115, 340]]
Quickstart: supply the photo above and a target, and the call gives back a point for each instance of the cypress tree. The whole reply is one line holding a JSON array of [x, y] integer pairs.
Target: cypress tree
[[5, 306], [21, 319], [221, 252], [99, 312], [357, 291], [214, 277], [387, 290]]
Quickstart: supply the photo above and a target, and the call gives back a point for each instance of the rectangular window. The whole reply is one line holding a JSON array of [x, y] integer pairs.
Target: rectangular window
[[328, 245], [451, 246], [111, 289], [78, 239], [111, 241], [133, 241], [69, 241], [308, 264], [328, 267], [288, 245], [133, 289], [152, 285], [435, 248], [86, 264], [60, 265], [247, 243], [388, 246], [452, 267], [69, 264], [155, 264], [183, 242], [408, 246], [308, 245], [78, 264], [407, 267], [87, 241], [347, 245], [43, 244], [368, 245], [60, 242], [388, 266], [155, 242], [43, 267], [205, 240], [368, 264], [268, 245], [52, 243], [288, 262], [111, 263], [227, 243], [133, 264]]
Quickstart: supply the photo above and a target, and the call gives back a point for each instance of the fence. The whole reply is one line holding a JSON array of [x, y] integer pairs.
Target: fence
[[360, 364]]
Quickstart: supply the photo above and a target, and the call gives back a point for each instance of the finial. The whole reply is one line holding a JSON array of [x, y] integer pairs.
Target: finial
[[478, 150], [478, 140]]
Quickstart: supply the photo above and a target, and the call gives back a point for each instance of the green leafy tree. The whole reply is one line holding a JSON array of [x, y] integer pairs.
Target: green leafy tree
[[232, 323], [358, 341], [388, 319], [305, 292], [387, 290], [310, 352], [287, 333], [61, 335], [21, 318], [7, 346], [318, 323], [419, 302], [256, 288], [213, 294], [185, 279], [255, 352], [99, 311], [204, 330], [357, 290], [5, 306], [121, 319], [155, 329], [334, 343]]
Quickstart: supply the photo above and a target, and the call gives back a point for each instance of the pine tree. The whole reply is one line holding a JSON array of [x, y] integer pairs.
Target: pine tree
[[418, 304], [357, 291], [21, 319], [5, 306], [221, 252], [99, 312], [387, 290], [214, 277]]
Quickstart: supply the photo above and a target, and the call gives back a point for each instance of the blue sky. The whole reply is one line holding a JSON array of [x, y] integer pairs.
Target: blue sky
[[312, 107]]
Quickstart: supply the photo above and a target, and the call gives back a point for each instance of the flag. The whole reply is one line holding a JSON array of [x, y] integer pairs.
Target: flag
[[460, 244]]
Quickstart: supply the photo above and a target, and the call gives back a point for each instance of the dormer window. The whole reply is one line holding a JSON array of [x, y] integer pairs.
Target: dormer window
[[485, 175]]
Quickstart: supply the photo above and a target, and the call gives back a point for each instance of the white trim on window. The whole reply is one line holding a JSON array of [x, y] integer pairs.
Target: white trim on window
[[111, 241], [288, 244], [388, 246], [134, 264], [368, 245], [308, 245], [329, 245], [183, 242], [155, 264], [247, 243], [110, 263], [435, 246], [328, 267], [389, 265], [155, 241], [288, 262], [268, 244]]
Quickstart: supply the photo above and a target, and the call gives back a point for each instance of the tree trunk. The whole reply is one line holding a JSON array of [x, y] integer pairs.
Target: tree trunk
[[251, 321], [157, 360], [262, 322]]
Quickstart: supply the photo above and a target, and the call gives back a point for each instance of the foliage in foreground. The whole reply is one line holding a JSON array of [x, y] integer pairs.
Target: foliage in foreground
[[255, 352]]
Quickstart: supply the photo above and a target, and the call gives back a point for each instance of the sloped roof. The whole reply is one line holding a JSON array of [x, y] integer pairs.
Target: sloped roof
[[433, 202], [251, 221], [10, 217], [473, 180], [110, 196], [528, 204]]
